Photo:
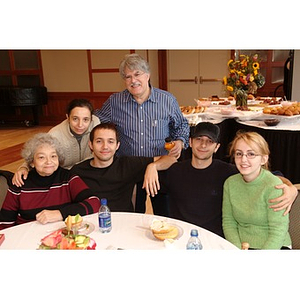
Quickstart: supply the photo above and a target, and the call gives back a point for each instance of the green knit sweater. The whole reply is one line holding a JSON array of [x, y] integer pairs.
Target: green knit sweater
[[247, 216]]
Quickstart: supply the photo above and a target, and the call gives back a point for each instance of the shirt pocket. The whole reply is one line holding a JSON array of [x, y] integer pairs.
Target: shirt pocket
[[158, 128]]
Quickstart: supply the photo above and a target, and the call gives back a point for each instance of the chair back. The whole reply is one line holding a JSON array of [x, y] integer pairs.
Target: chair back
[[5, 181], [294, 228]]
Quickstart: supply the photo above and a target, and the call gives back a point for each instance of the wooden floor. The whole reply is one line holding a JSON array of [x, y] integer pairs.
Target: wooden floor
[[12, 140]]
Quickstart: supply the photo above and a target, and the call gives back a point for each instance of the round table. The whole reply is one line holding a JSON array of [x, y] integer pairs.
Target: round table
[[130, 231]]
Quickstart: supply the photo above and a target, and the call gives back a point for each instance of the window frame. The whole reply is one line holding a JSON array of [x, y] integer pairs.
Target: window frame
[[14, 73]]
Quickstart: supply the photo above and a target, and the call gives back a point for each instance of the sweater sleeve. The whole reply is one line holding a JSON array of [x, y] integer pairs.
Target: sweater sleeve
[[278, 224], [83, 200], [9, 210], [136, 166], [229, 223]]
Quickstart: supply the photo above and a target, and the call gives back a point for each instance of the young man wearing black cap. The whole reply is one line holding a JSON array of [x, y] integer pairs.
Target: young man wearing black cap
[[195, 185]]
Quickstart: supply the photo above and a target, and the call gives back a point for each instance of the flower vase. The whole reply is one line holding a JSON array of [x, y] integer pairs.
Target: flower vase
[[241, 98]]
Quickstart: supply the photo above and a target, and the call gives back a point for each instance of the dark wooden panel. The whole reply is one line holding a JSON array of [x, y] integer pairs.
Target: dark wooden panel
[[55, 110]]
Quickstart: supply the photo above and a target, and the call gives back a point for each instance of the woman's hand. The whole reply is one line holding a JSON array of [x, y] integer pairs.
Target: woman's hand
[[48, 216], [17, 178]]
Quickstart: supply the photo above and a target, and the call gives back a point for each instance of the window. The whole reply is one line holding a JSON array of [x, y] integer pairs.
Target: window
[[20, 68], [272, 67]]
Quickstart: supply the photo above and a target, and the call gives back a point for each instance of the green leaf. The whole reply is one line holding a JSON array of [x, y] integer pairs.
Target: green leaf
[[77, 218]]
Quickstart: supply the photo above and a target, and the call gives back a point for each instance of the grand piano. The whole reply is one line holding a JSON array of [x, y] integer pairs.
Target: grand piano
[[16, 96]]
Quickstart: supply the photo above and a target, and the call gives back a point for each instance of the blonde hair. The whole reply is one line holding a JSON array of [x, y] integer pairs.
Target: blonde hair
[[255, 141]]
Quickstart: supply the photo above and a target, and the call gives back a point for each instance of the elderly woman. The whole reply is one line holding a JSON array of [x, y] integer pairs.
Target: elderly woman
[[49, 194]]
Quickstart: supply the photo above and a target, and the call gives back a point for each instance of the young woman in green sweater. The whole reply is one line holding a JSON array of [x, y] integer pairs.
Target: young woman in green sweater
[[246, 213]]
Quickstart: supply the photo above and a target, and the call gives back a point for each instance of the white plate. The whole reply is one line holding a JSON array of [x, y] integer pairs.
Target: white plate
[[249, 115], [242, 115], [85, 228], [254, 102], [280, 117], [218, 103], [150, 235], [193, 115]]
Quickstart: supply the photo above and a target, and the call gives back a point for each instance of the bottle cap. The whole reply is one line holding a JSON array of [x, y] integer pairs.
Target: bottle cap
[[168, 140], [103, 201], [194, 232]]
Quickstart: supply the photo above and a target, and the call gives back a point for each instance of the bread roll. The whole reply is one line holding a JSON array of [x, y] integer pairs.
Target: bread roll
[[162, 230], [171, 234]]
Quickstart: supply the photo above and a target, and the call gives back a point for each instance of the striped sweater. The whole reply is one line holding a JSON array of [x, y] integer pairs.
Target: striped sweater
[[59, 191]]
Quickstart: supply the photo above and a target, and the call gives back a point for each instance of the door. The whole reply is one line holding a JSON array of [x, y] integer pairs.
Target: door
[[196, 74]]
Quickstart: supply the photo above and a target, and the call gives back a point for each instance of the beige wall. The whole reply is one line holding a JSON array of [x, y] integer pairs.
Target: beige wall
[[67, 70], [191, 64], [153, 62]]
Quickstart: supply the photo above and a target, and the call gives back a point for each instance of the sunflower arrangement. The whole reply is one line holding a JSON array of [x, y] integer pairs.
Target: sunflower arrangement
[[244, 77]]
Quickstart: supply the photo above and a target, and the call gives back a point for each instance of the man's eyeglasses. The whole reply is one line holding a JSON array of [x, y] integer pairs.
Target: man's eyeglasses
[[249, 155], [136, 75]]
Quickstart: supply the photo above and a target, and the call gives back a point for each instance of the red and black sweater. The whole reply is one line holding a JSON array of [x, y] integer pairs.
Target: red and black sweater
[[59, 191]]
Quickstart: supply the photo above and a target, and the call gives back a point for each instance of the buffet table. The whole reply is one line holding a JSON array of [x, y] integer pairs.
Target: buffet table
[[283, 139], [130, 231]]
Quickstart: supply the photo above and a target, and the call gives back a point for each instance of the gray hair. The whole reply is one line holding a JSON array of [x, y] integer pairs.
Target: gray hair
[[133, 62], [39, 139]]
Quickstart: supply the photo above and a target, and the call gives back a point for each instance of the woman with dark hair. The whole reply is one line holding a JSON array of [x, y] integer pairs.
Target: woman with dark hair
[[73, 134]]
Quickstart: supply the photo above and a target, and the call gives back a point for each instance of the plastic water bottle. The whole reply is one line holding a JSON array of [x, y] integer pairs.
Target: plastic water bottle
[[104, 216], [194, 242]]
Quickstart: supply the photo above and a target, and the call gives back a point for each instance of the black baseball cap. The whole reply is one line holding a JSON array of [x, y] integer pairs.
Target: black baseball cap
[[206, 129]]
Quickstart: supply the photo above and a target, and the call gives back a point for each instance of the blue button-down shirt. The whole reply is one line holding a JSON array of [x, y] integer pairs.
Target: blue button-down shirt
[[144, 127]]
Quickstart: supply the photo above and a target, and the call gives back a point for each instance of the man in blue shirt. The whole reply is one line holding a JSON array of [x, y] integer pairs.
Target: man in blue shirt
[[145, 116]]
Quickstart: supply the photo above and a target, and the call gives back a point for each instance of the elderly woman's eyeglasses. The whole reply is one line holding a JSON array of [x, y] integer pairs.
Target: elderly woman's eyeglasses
[[249, 155]]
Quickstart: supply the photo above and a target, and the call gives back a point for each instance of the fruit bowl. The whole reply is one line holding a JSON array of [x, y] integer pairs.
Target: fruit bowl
[[57, 240], [272, 122]]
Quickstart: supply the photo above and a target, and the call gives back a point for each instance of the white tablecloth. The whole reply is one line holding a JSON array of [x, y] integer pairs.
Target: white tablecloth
[[254, 117], [286, 123], [129, 231]]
